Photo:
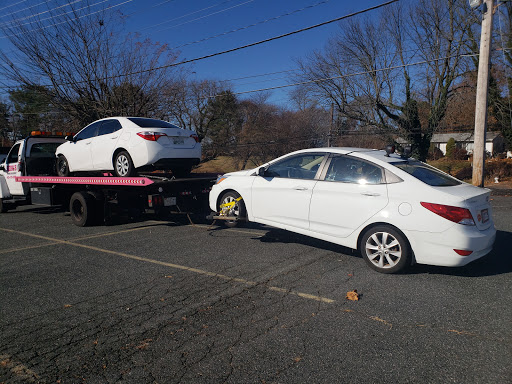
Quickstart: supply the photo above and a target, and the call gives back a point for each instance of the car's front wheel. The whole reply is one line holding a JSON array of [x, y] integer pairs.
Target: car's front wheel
[[123, 165], [232, 205], [385, 249], [62, 166]]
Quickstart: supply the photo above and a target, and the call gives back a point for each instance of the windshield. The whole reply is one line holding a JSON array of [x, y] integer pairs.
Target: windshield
[[429, 175], [151, 123]]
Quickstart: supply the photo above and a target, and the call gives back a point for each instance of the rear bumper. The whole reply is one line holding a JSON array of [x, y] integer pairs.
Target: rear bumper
[[438, 248]]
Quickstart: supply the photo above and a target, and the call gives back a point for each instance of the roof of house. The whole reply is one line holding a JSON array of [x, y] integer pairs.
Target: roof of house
[[461, 137]]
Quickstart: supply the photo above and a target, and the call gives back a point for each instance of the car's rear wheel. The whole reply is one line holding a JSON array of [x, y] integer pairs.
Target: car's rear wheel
[[232, 205], [123, 165], [385, 249], [62, 166]]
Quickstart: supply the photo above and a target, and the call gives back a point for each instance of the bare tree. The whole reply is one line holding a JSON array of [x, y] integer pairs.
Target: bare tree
[[85, 64], [367, 71]]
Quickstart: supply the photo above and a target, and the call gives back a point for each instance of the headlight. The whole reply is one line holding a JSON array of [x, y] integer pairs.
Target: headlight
[[221, 179]]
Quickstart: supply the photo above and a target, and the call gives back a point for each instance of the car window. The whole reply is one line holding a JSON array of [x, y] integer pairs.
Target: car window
[[13, 154], [43, 150], [88, 132], [151, 123], [348, 169], [302, 166], [109, 126], [427, 174]]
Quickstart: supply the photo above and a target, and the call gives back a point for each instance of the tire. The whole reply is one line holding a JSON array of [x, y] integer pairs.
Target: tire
[[385, 249], [62, 166], [179, 172], [123, 165], [82, 209], [238, 209]]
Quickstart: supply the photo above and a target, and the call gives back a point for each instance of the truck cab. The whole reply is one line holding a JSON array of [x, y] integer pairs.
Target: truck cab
[[32, 156]]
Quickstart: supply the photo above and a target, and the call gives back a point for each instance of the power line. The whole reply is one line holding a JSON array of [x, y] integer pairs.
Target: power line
[[79, 17], [251, 25], [12, 5], [21, 10], [205, 16], [188, 14], [348, 75], [244, 46], [255, 43], [50, 10]]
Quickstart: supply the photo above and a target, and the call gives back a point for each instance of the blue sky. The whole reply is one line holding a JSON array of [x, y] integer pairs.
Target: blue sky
[[178, 22]]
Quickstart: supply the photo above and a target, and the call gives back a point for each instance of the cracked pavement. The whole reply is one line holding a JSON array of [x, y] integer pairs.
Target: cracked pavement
[[170, 302]]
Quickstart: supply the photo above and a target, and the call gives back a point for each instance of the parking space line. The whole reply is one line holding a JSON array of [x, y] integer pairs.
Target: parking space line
[[25, 248], [175, 266]]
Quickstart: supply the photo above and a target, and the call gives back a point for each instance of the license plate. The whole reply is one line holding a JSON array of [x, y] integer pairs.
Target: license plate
[[169, 201], [485, 215], [178, 140]]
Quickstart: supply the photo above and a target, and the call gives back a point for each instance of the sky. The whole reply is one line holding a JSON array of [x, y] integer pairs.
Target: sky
[[179, 22]]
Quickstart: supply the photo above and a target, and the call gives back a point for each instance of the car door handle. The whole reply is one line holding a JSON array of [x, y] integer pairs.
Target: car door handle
[[370, 194], [301, 188], [115, 137], [89, 143]]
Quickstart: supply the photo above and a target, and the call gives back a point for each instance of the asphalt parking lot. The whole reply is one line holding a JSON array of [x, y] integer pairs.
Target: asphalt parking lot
[[175, 302]]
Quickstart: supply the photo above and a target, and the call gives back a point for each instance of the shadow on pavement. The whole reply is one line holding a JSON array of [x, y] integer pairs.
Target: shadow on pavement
[[499, 261]]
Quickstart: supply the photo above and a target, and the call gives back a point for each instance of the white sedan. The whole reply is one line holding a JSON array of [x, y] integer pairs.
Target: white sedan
[[127, 144], [395, 210]]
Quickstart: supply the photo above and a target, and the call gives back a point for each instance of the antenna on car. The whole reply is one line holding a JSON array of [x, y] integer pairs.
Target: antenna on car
[[389, 150], [407, 152]]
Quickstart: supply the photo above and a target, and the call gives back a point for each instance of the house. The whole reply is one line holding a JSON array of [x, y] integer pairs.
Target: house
[[494, 141]]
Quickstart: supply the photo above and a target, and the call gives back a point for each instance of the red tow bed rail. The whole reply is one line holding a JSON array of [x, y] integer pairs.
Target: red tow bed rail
[[96, 180]]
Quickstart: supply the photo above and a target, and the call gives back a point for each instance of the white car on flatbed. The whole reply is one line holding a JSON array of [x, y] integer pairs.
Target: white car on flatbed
[[126, 145], [394, 210]]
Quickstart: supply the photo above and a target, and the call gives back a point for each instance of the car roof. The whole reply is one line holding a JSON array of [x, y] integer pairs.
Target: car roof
[[366, 153]]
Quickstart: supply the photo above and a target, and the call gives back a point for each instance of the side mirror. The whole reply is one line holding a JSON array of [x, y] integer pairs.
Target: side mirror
[[2, 167], [261, 171], [69, 138]]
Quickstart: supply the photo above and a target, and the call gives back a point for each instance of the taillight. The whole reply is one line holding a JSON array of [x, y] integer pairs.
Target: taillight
[[195, 137], [456, 214], [151, 136], [463, 252]]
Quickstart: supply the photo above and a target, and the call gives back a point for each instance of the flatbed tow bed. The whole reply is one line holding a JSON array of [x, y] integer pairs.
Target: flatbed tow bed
[[96, 199]]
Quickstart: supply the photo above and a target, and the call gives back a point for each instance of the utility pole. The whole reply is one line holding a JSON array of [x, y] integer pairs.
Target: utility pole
[[481, 95]]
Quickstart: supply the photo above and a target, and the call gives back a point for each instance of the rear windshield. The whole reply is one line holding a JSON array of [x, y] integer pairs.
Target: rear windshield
[[151, 123], [43, 149], [429, 175]]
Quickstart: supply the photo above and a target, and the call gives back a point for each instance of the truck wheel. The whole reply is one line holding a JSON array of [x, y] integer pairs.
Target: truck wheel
[[236, 208], [81, 208], [62, 166], [123, 165]]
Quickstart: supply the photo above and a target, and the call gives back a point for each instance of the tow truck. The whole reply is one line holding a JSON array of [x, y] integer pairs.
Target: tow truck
[[28, 176]]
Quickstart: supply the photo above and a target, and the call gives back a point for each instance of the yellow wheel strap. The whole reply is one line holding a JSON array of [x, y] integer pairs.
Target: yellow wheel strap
[[231, 204]]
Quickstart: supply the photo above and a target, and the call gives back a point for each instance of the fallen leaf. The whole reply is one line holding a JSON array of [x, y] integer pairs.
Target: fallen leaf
[[297, 359], [67, 305], [353, 295]]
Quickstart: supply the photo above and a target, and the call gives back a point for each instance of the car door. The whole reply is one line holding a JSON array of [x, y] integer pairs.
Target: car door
[[282, 196], [79, 152], [13, 168], [104, 144], [350, 193]]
